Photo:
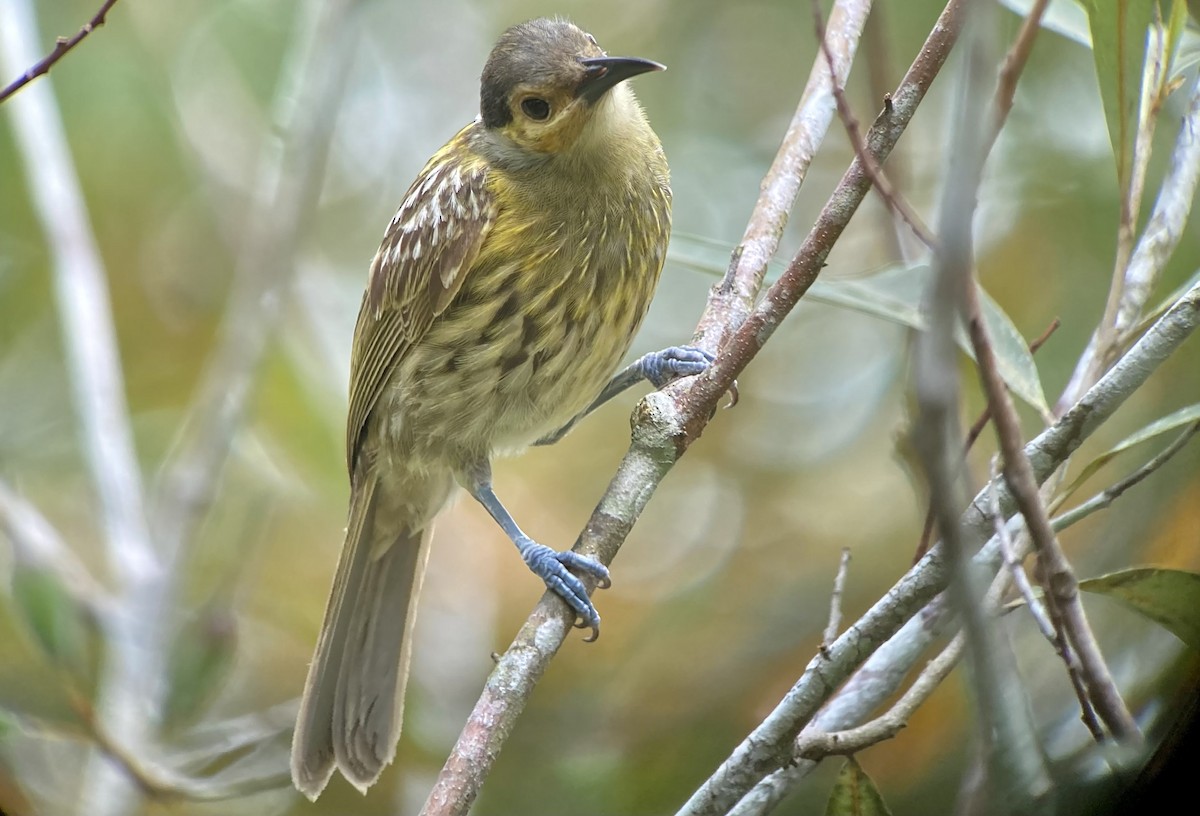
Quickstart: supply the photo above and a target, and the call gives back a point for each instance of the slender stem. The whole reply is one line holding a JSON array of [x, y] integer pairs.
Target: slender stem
[[1106, 497], [835, 598], [818, 744], [61, 46]]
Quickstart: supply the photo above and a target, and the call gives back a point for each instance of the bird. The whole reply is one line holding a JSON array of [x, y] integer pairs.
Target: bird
[[506, 291]]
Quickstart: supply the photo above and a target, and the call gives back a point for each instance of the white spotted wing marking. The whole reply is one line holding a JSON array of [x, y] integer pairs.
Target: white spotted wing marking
[[429, 246]]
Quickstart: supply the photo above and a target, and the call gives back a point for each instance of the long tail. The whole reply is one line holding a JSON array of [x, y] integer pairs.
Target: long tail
[[353, 703]]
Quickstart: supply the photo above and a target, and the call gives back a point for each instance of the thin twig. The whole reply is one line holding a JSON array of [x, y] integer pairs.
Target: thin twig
[[892, 198], [732, 299], [893, 655], [814, 745], [1167, 223], [1052, 630], [1010, 72], [874, 682], [1062, 588], [981, 422], [164, 784], [1106, 497], [694, 396], [61, 46], [1012, 560], [1014, 763], [835, 599]]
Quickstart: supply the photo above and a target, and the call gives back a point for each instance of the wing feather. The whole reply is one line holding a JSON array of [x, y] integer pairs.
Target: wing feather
[[426, 252]]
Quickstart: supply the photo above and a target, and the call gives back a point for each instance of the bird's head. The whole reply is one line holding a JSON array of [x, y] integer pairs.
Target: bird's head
[[547, 83]]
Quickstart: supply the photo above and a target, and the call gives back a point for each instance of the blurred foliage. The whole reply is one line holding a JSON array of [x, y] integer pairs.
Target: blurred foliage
[[721, 593]]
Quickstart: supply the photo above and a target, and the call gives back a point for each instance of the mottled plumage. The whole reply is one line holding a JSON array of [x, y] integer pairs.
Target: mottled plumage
[[506, 290]]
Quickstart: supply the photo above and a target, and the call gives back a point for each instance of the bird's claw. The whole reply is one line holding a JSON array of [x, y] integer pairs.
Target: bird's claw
[[554, 568], [661, 367]]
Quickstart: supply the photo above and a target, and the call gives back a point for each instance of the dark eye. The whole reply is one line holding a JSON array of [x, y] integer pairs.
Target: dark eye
[[536, 109]]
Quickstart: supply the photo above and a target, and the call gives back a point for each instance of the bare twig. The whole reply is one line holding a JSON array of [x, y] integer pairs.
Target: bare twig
[[895, 202], [814, 745], [694, 396], [1012, 560], [161, 783], [1166, 226], [874, 682], [1062, 588], [1015, 765], [1107, 496], [981, 422], [1011, 70], [61, 46], [731, 300], [1052, 630], [767, 747], [835, 599]]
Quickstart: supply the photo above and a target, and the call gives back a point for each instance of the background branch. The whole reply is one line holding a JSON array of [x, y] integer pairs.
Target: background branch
[[61, 46]]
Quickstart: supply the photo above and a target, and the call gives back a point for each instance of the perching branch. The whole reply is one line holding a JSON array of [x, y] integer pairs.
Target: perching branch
[[895, 202], [61, 46], [730, 301]]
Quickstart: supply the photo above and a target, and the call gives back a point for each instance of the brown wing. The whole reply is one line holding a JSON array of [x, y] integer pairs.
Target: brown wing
[[426, 252]]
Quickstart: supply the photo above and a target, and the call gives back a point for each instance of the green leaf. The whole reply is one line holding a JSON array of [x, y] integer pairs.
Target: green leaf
[[893, 294], [1119, 49], [1176, 29], [1174, 421], [60, 626], [854, 794], [1064, 17], [1168, 597], [201, 656], [1013, 357]]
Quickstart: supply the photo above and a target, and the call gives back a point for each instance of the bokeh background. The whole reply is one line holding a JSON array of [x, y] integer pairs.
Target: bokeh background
[[721, 592]]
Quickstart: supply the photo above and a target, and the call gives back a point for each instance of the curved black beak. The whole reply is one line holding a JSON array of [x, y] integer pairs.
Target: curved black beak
[[605, 72]]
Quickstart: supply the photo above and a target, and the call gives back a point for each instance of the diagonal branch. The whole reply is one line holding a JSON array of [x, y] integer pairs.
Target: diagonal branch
[[730, 300], [61, 46]]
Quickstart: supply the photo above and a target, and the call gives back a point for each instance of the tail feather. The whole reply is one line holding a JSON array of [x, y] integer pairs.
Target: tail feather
[[353, 702]]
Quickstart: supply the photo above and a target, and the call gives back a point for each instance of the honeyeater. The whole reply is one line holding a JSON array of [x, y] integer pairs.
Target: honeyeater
[[506, 290]]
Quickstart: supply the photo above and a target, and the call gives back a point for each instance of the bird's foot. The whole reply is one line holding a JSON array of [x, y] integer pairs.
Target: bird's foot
[[660, 367], [553, 568]]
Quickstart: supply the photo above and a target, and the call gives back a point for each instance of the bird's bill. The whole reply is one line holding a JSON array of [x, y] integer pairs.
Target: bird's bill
[[605, 72]]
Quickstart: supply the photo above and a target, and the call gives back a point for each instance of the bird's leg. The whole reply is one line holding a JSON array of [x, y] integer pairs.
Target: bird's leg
[[659, 367], [549, 565]]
